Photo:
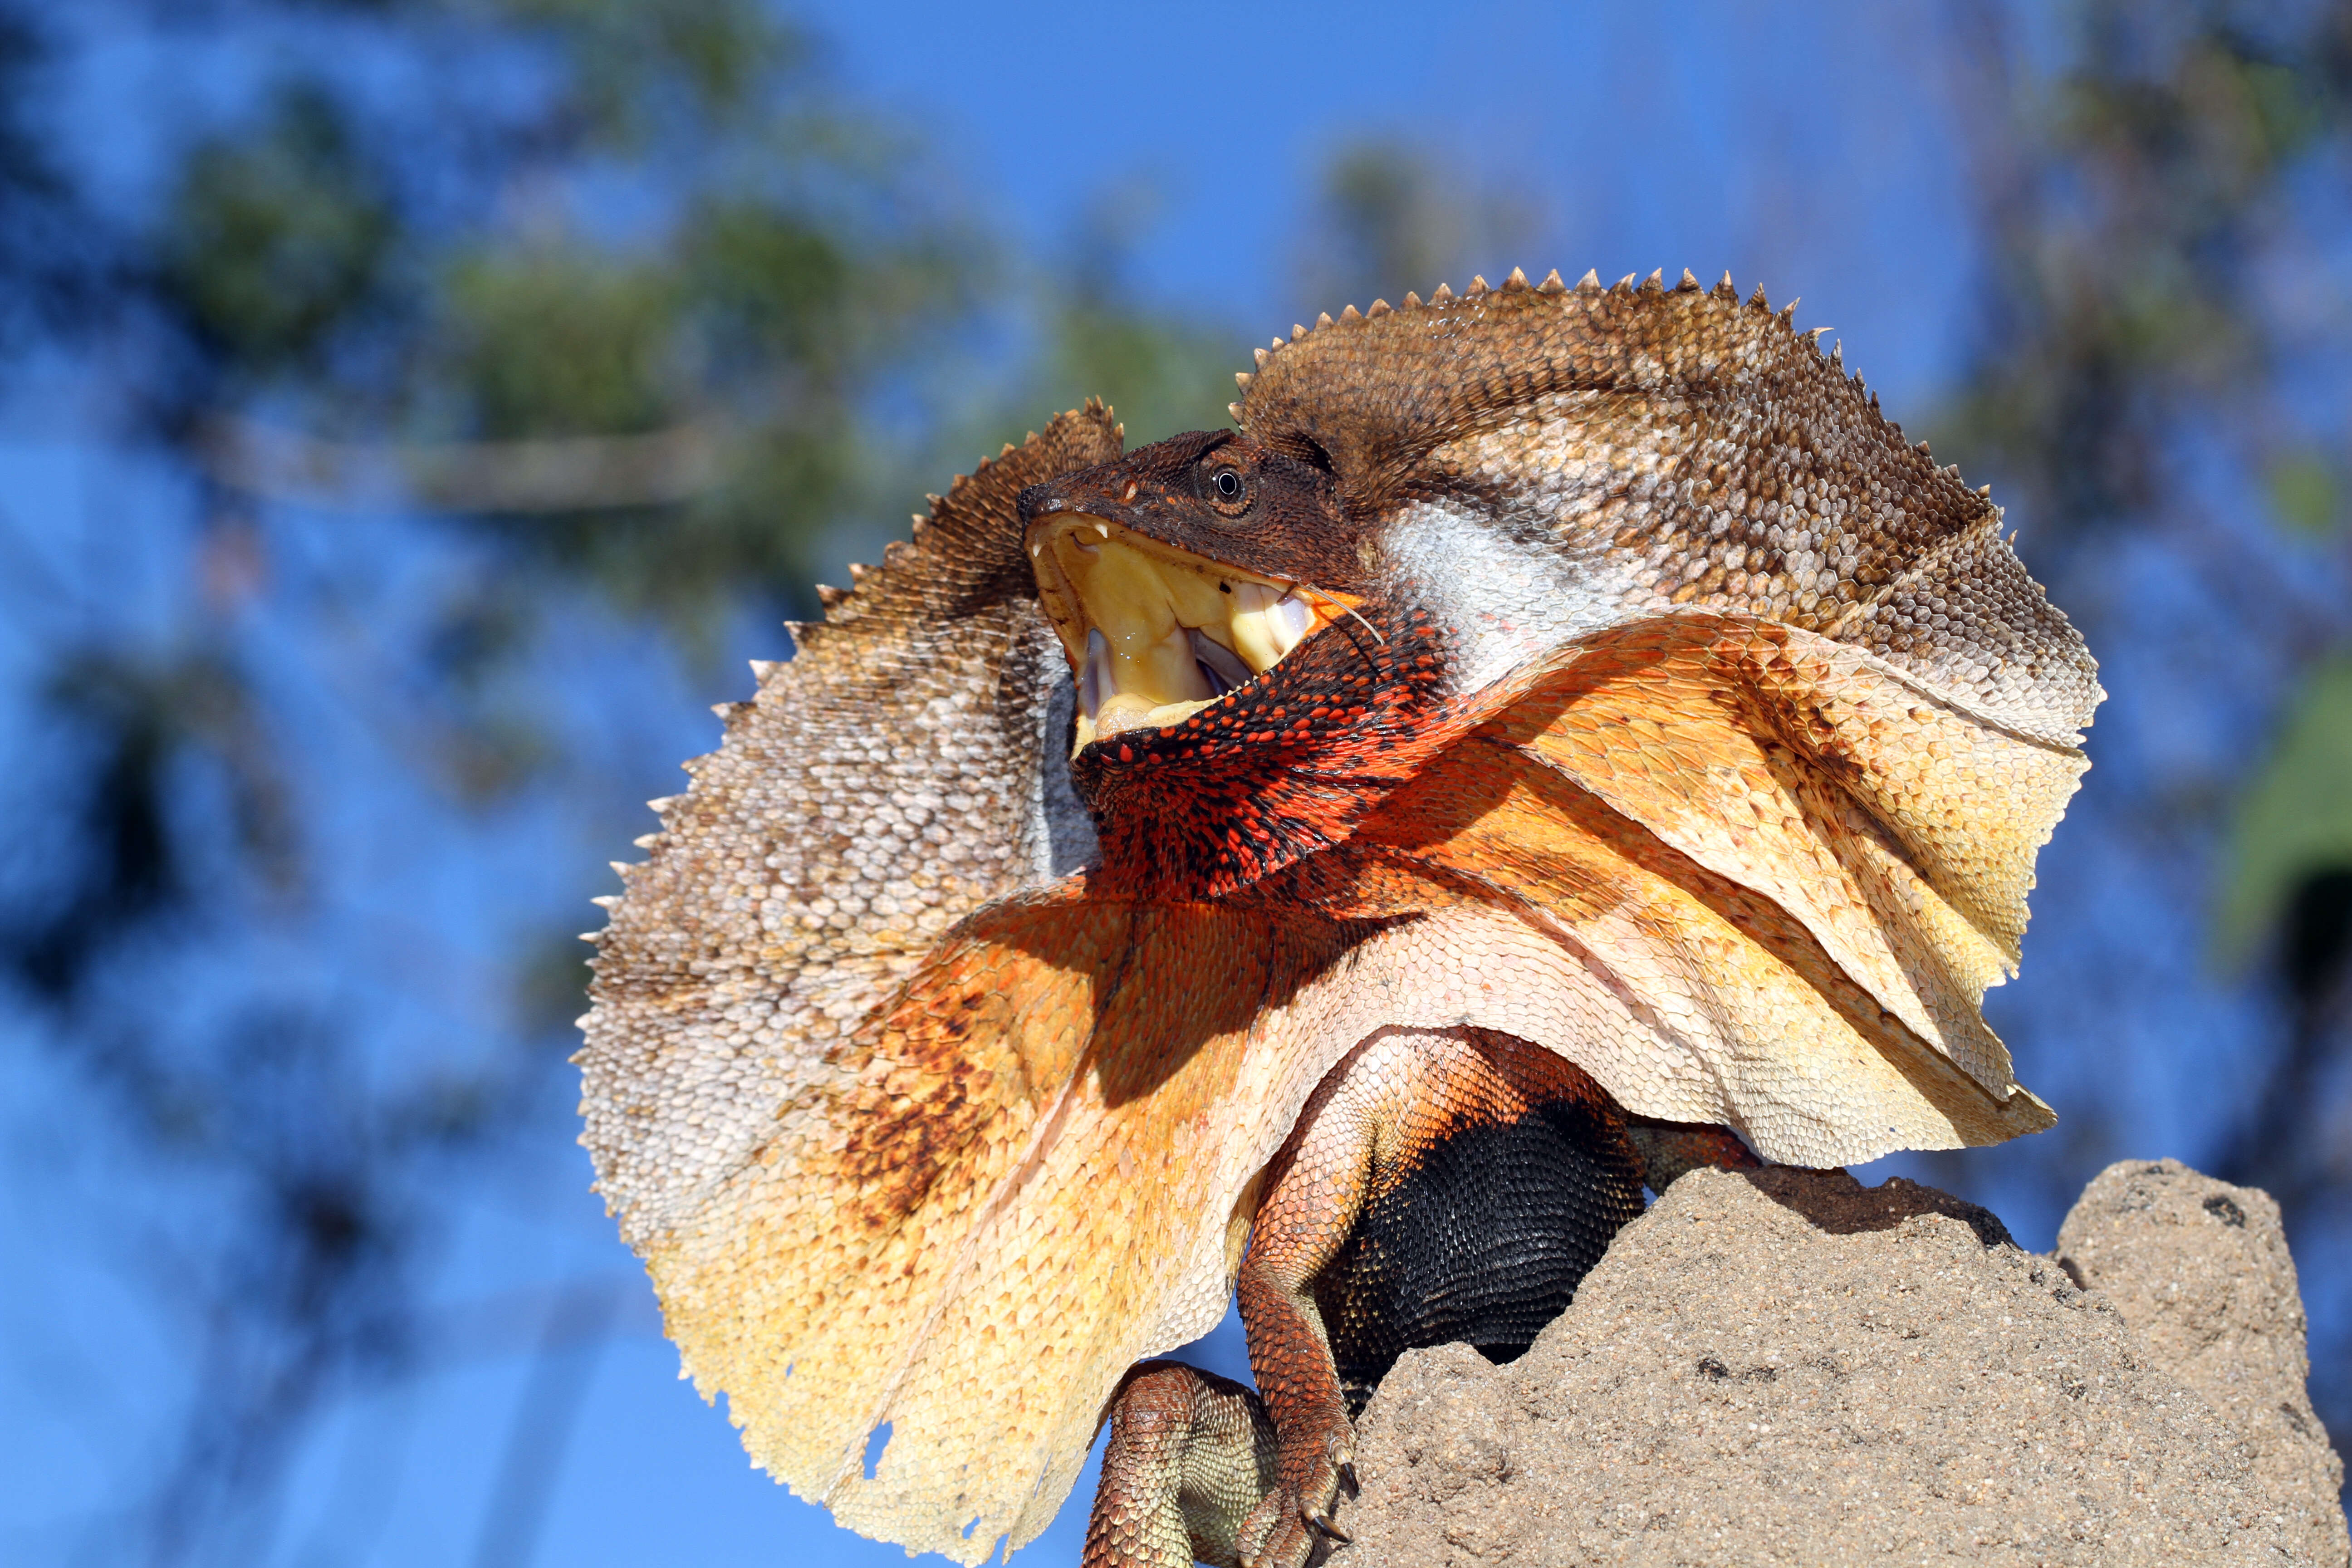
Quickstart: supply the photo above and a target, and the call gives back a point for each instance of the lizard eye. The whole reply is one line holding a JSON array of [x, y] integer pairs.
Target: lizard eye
[[1226, 486]]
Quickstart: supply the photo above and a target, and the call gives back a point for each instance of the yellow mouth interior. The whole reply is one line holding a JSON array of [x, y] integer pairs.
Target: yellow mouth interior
[[1155, 634]]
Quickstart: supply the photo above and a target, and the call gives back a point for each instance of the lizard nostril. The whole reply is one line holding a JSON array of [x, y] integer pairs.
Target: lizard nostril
[[1127, 493]]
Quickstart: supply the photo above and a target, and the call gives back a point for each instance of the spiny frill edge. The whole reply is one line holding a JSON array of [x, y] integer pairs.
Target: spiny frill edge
[[1590, 287], [842, 607]]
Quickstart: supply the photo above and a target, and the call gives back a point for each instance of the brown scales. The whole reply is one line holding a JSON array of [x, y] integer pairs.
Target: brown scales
[[1740, 729]]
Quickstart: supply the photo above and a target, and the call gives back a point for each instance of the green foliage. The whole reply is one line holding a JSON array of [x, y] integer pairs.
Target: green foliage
[[1389, 220], [772, 288], [1160, 371], [2296, 818], [278, 238], [746, 538], [2126, 251], [2306, 492], [2131, 255], [625, 319], [1160, 374], [560, 340], [635, 70]]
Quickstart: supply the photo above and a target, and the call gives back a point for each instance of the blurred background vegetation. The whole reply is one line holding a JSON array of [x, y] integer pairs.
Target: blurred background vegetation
[[485, 369]]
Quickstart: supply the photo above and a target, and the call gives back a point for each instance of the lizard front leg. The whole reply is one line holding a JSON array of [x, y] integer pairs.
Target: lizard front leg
[[1315, 1192], [1181, 1439]]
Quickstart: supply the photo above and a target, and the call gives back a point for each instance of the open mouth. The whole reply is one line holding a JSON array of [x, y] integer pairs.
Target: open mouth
[[1155, 634]]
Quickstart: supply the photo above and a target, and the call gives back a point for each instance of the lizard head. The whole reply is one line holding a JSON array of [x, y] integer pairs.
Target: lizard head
[[1245, 679], [1426, 509]]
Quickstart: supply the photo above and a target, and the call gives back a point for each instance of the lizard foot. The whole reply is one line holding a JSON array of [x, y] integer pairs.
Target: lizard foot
[[1671, 1148], [1189, 1453], [1294, 1518]]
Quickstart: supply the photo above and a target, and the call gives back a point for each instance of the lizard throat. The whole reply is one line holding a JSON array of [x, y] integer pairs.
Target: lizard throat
[[1154, 635]]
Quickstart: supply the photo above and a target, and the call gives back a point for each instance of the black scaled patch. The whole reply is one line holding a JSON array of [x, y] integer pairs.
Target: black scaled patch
[[1482, 1240]]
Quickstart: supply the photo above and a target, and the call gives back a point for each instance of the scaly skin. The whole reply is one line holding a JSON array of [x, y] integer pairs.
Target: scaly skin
[[1670, 1150], [1190, 1455], [1596, 665], [1364, 1176]]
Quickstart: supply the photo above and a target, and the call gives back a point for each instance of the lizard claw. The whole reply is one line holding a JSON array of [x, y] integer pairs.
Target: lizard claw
[[1276, 1535], [1285, 1528]]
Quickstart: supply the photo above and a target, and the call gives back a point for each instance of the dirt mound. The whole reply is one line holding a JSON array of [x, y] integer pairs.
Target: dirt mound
[[1786, 1366]]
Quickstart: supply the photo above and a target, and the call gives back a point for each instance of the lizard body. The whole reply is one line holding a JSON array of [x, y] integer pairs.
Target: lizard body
[[1593, 668]]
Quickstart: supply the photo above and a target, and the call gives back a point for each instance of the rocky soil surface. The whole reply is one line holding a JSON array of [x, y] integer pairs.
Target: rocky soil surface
[[1784, 1366]]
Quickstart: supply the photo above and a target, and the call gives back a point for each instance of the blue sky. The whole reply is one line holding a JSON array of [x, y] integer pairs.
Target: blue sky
[[1803, 144]]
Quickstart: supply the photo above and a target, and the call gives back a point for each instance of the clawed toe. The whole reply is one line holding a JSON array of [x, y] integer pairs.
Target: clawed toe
[[1289, 1530]]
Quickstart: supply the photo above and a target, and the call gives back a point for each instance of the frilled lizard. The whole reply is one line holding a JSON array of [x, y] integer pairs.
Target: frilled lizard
[[1552, 704]]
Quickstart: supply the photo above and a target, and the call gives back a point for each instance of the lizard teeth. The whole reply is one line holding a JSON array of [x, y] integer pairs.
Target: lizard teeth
[[1221, 664], [1267, 624], [1154, 635], [1095, 682]]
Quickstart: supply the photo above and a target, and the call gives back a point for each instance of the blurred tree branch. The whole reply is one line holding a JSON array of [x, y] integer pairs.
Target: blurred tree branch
[[557, 475]]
